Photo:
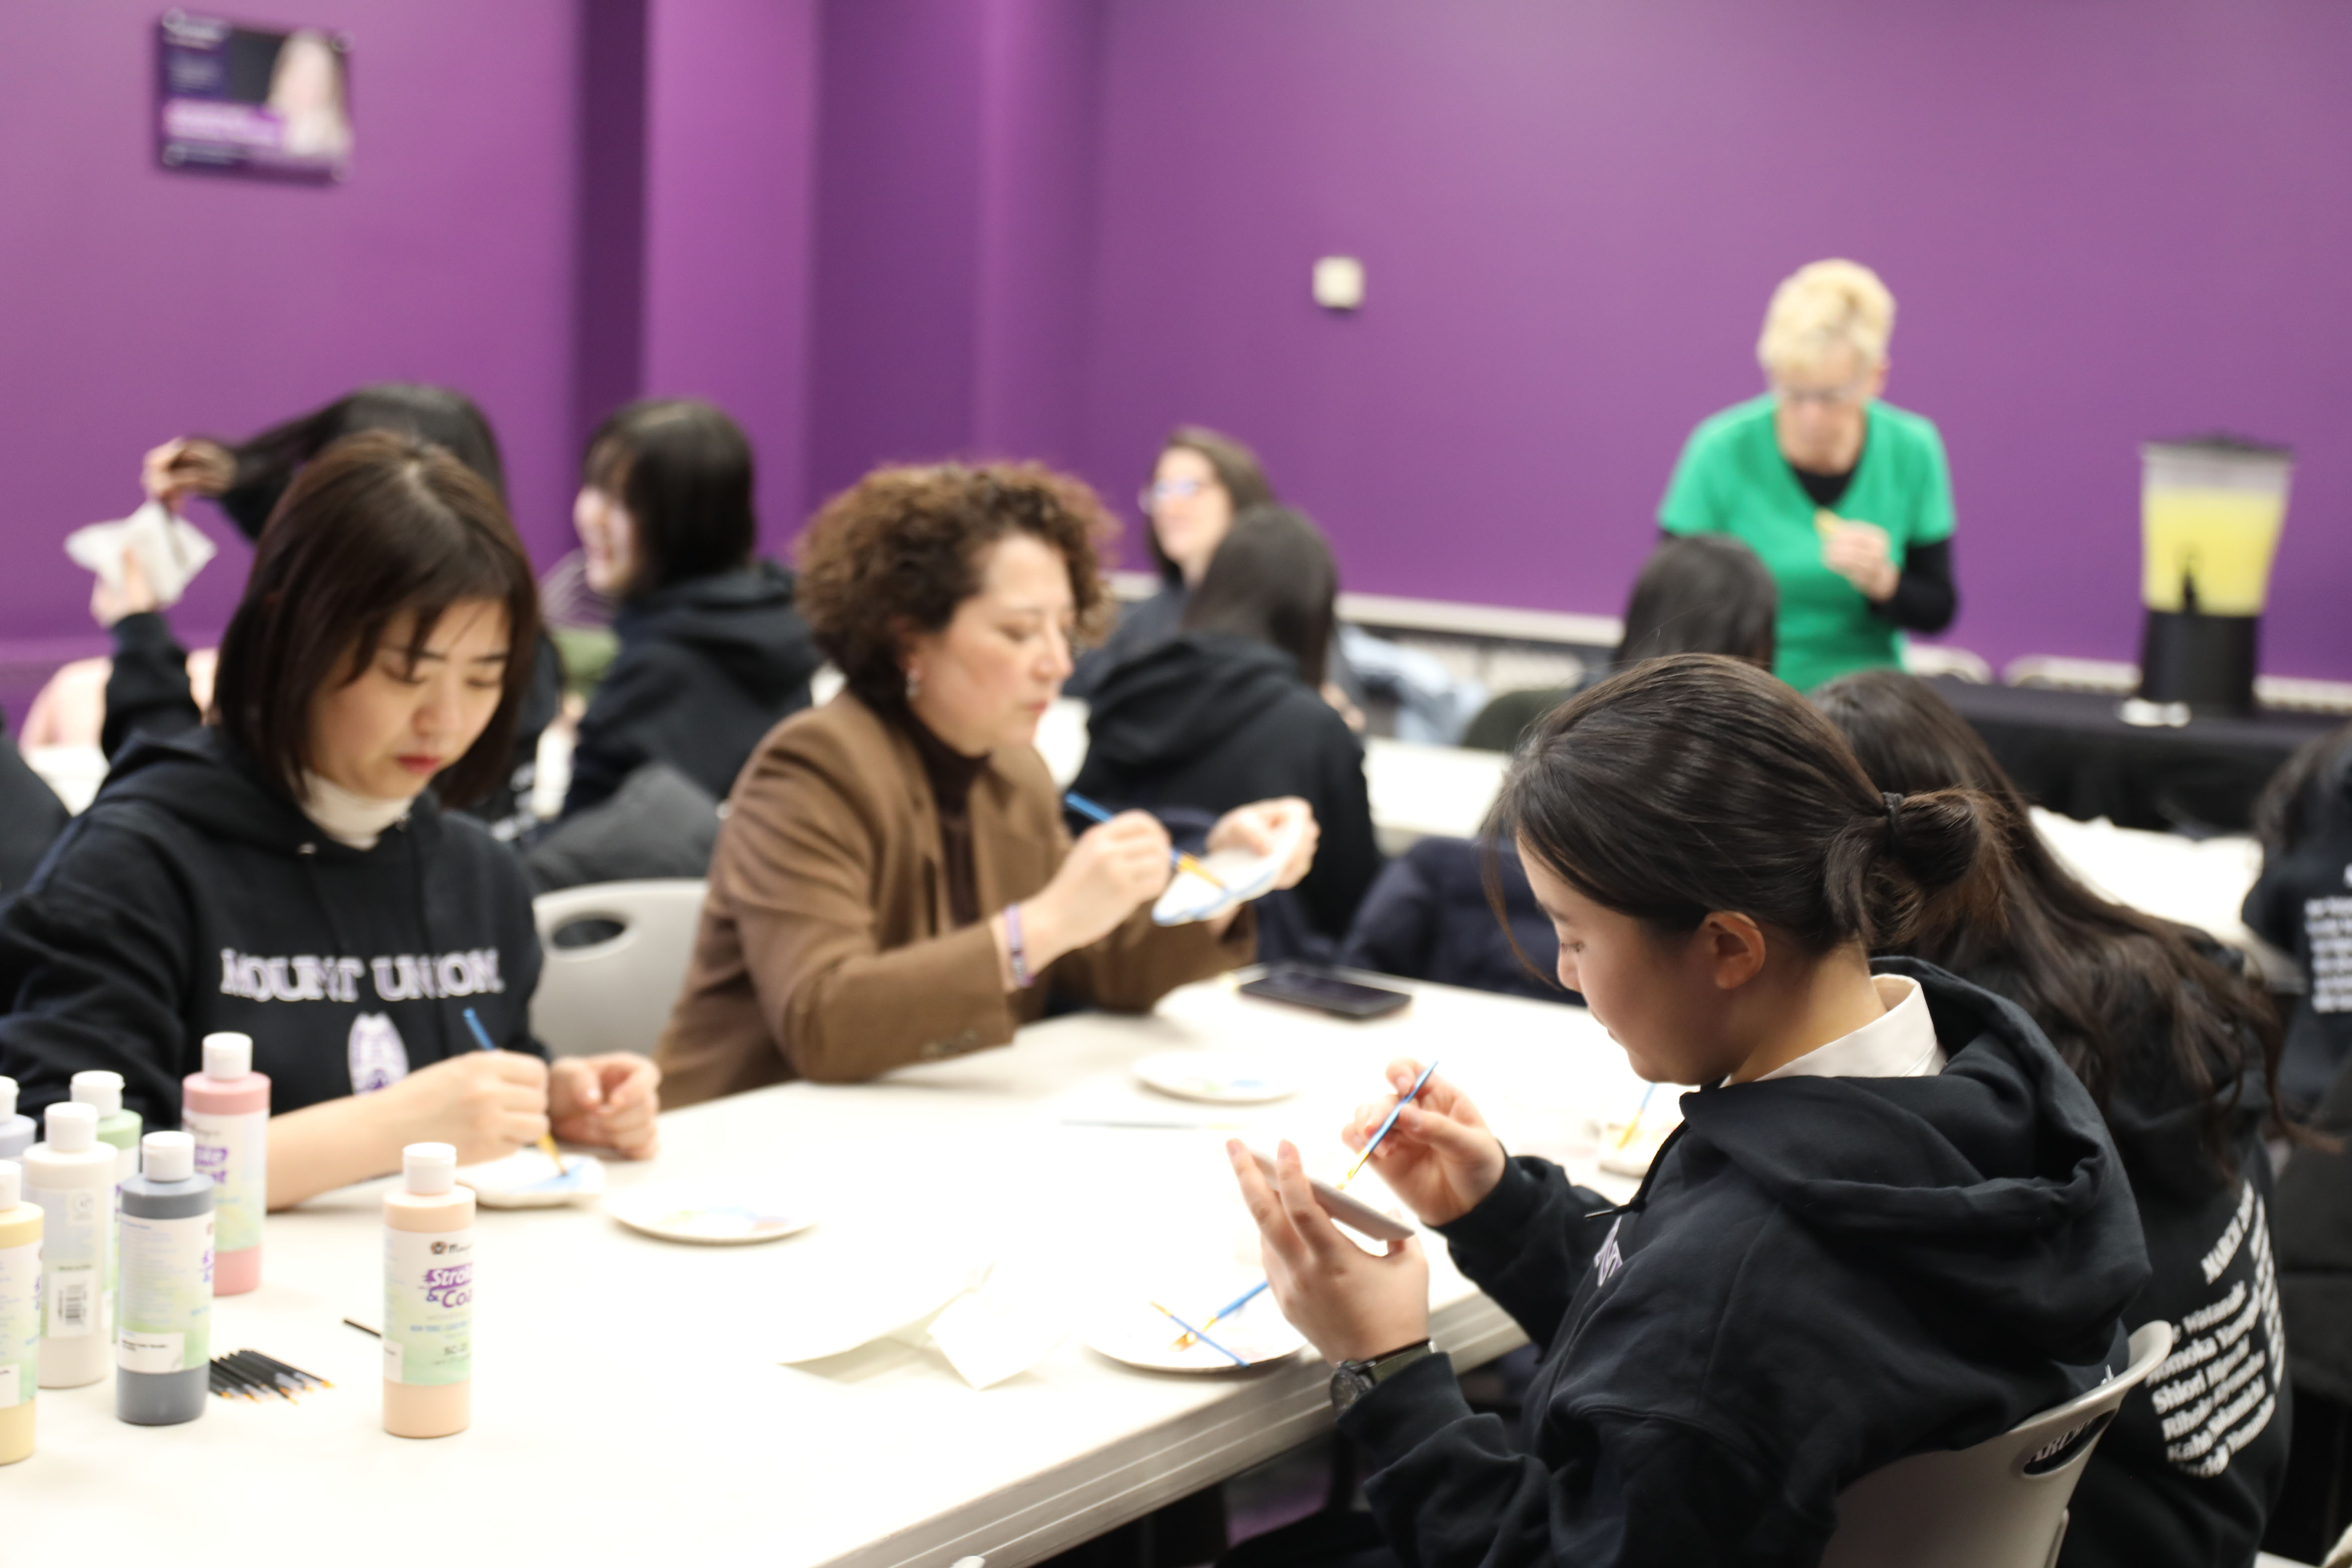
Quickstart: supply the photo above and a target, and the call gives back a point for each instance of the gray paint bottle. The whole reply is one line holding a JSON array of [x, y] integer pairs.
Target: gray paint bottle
[[162, 1345]]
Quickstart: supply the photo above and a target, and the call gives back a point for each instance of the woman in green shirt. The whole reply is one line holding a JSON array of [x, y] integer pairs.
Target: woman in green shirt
[[1847, 499]]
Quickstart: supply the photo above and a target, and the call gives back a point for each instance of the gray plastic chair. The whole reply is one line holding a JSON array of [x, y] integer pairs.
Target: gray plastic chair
[[613, 994], [2001, 1504]]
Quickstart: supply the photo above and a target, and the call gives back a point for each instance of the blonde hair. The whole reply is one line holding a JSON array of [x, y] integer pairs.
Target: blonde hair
[[1824, 306]]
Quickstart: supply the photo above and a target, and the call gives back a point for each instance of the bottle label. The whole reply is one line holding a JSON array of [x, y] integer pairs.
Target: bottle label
[[20, 1321], [428, 1306], [74, 1223], [234, 1151], [163, 1318]]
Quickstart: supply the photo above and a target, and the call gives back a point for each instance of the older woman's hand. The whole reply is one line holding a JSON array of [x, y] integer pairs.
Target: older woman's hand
[[1859, 552], [1113, 866], [1260, 825]]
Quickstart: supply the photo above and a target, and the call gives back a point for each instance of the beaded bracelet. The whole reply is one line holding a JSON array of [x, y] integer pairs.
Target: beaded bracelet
[[1014, 949]]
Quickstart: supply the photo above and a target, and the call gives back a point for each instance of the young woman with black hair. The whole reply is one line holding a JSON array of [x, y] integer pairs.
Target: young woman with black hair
[[2180, 1050], [1229, 711], [1709, 593], [712, 654], [148, 688], [1890, 1223], [286, 872]]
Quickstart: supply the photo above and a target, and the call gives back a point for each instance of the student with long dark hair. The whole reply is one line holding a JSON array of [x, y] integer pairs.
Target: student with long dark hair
[[148, 688], [286, 872], [711, 653], [1230, 710], [1709, 593], [2180, 1051], [1890, 1223]]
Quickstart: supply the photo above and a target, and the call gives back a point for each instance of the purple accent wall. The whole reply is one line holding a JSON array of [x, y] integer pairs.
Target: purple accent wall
[[2104, 221], [141, 304]]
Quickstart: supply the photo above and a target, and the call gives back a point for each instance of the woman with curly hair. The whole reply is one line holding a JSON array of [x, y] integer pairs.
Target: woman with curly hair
[[894, 882]]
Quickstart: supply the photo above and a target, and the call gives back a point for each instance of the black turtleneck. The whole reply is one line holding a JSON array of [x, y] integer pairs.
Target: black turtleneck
[[950, 773]]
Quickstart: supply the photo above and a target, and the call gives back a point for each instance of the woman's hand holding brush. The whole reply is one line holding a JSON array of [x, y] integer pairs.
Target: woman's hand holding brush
[[1440, 1157]]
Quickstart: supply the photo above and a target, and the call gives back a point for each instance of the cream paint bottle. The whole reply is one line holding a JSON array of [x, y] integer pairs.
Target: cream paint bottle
[[17, 1133], [71, 1177], [102, 1091], [428, 1297], [227, 1108], [20, 1313]]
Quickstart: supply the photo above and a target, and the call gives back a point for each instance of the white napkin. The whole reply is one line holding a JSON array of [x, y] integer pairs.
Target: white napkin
[[170, 550], [998, 1331]]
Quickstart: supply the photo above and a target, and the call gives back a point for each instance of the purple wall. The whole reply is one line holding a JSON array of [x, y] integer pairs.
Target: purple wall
[[2104, 221], [141, 304]]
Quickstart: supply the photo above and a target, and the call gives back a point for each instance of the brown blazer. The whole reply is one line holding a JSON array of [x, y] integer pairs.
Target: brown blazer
[[823, 951]]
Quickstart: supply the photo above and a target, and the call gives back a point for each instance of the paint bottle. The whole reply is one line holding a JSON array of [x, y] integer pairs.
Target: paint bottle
[[428, 1297], [226, 1109], [119, 1129], [17, 1133], [20, 1313], [71, 1177], [163, 1322]]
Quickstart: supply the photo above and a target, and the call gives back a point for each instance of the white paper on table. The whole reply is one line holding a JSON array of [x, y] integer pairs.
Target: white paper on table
[[990, 1335], [171, 551]]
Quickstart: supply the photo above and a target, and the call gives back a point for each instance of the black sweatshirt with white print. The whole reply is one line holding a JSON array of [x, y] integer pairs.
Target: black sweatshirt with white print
[[1818, 1276], [193, 897]]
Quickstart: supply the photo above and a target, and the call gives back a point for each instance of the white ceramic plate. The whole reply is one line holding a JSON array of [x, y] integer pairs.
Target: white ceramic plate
[[713, 1216], [1191, 897], [527, 1179], [1136, 1334], [1224, 1077]]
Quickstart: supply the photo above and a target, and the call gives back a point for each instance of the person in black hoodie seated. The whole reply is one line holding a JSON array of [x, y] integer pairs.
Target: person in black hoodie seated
[[1892, 1223], [2303, 904], [1199, 484], [711, 653], [286, 872], [2180, 1052], [148, 690], [1229, 713]]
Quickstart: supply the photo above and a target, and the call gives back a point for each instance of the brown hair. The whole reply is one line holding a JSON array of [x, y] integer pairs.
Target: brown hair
[[2104, 980], [265, 464], [378, 523], [1697, 783], [898, 550], [1273, 581], [1239, 475]]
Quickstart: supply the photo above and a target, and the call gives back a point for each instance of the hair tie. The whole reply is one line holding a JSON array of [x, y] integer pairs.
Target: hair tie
[[1893, 818]]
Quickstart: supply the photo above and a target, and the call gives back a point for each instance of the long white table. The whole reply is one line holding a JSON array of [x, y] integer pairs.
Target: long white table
[[628, 1401]]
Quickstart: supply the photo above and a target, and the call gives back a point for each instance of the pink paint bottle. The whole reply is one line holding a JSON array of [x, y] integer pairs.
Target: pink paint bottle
[[226, 1108]]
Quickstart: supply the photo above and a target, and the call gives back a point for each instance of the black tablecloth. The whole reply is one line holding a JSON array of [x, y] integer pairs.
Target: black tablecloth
[[2069, 751]]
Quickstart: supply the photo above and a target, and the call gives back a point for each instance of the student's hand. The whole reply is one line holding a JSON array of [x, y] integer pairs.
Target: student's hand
[[1441, 1157], [486, 1103], [1860, 552], [1114, 866], [1350, 1304], [1256, 827], [179, 468], [611, 1101], [135, 598]]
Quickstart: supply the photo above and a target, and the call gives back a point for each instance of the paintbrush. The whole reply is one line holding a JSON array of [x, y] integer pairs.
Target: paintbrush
[[546, 1140], [1632, 1126], [1398, 1111], [1228, 1310], [1198, 1334], [1095, 813]]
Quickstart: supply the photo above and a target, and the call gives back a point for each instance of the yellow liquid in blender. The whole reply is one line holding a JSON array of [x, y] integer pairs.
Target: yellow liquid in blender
[[2220, 539]]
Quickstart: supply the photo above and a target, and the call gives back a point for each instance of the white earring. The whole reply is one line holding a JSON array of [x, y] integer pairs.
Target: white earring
[[914, 686]]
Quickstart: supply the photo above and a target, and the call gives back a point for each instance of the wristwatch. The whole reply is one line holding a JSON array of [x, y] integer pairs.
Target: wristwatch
[[1354, 1379]]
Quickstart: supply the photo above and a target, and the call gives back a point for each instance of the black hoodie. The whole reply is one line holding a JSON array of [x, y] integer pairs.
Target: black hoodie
[[706, 667], [1818, 1276], [193, 897], [2302, 902], [1213, 721]]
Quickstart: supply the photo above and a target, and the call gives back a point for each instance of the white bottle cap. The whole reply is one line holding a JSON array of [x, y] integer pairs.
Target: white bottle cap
[[7, 1097], [167, 1156], [71, 1127], [12, 1185], [429, 1168], [101, 1089], [228, 1055]]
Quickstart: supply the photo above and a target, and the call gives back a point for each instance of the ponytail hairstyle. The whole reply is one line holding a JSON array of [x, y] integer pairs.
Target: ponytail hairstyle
[[265, 464], [1697, 783], [2111, 986]]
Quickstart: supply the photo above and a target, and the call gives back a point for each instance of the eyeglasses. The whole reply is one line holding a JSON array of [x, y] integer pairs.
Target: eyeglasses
[[1827, 397], [1151, 495]]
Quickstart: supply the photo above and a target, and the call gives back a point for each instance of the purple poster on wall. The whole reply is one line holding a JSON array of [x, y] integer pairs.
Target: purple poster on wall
[[253, 100]]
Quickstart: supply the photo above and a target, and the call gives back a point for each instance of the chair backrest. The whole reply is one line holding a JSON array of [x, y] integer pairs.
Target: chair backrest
[[615, 993], [2001, 1504]]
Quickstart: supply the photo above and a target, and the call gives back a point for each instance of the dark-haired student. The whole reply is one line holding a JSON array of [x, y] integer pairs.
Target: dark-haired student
[[2301, 903], [148, 688], [711, 653], [1709, 593], [287, 872], [2180, 1051], [1891, 1222], [1230, 712]]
